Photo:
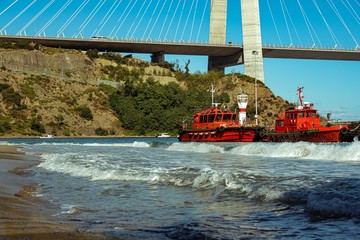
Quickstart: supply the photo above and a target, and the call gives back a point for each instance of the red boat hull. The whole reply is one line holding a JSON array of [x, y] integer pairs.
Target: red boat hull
[[310, 136], [219, 135]]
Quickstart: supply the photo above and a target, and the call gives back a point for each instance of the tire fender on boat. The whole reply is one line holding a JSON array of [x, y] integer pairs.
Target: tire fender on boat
[[220, 129], [344, 131], [181, 131], [258, 129], [262, 134]]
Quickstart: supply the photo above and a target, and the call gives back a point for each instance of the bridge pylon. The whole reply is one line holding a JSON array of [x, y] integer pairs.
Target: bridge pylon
[[251, 56], [218, 13]]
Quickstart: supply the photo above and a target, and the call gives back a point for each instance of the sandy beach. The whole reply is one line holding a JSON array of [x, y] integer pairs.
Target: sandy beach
[[22, 215]]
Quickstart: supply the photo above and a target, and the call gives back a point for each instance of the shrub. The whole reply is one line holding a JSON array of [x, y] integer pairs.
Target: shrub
[[59, 120], [92, 53], [12, 97], [37, 126], [85, 112], [4, 86], [101, 132], [4, 126]]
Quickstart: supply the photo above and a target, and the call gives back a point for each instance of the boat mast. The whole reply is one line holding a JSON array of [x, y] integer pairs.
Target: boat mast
[[299, 93], [212, 94]]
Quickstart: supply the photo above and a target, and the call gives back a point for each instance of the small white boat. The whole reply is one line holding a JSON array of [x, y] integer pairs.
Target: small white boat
[[48, 136], [163, 135]]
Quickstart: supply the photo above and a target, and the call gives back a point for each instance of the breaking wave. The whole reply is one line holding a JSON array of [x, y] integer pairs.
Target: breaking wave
[[302, 150]]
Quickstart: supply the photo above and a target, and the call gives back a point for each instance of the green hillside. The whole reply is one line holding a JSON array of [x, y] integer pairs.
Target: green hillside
[[73, 93]]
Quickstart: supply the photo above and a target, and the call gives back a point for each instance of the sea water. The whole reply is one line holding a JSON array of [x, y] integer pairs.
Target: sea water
[[159, 188]]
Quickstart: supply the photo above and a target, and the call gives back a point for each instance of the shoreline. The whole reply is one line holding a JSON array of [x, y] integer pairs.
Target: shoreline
[[75, 137], [23, 215]]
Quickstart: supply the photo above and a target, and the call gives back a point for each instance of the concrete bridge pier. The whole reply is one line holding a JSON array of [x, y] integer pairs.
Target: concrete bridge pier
[[158, 57], [219, 63]]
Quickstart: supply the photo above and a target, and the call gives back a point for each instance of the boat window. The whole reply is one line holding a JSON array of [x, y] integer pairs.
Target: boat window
[[301, 115], [280, 123], [211, 117], [227, 117], [313, 114], [205, 118], [307, 114], [234, 117], [218, 117], [288, 115], [201, 119], [294, 115]]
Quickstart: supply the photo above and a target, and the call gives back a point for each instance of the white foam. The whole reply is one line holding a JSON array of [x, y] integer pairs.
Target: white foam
[[92, 167], [135, 144], [196, 147], [302, 150]]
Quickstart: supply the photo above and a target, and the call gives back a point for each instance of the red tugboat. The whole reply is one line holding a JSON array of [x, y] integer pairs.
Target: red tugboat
[[216, 125], [303, 124]]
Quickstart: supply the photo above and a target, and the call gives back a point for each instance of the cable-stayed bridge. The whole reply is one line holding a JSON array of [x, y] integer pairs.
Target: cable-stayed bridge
[[227, 31]]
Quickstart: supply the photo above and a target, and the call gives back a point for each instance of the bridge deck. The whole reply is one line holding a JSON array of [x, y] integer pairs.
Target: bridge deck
[[184, 48]]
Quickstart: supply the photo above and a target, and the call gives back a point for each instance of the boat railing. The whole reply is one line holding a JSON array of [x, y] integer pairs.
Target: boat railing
[[187, 122]]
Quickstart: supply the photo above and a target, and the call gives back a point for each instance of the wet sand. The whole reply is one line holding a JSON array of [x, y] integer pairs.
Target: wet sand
[[24, 216]]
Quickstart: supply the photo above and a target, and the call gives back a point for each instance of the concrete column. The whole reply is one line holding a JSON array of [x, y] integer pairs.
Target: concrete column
[[253, 58], [157, 57], [218, 22]]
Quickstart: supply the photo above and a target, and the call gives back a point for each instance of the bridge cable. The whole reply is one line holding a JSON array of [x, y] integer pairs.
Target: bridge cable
[[107, 13], [193, 21], [17, 16], [153, 13], [167, 14], [177, 28], [117, 6], [90, 16], [8, 7], [201, 22], [72, 17], [120, 18], [162, 8], [42, 30], [54, 17], [187, 19], [327, 25], [91, 13], [352, 11], [332, 5], [172, 19], [137, 15], [272, 17], [286, 23], [35, 17], [309, 25], [107, 16], [126, 17], [94, 33], [142, 17], [292, 23]]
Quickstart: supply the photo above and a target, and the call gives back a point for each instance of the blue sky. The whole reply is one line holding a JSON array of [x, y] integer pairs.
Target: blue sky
[[331, 85]]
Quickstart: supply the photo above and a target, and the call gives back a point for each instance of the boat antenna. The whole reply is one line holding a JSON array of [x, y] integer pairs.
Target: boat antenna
[[299, 93], [212, 94]]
